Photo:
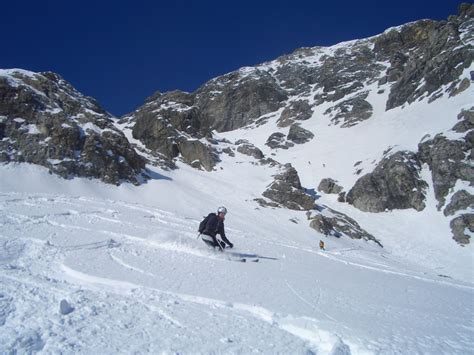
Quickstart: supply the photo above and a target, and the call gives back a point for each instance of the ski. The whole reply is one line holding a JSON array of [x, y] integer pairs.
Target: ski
[[244, 260]]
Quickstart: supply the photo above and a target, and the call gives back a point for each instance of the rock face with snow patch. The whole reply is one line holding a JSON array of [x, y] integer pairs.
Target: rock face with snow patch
[[277, 140], [251, 150], [460, 227], [426, 55], [236, 99], [394, 184], [45, 121], [287, 191], [449, 161], [332, 223], [170, 124], [329, 186], [296, 110], [351, 111], [461, 200], [198, 154], [299, 135]]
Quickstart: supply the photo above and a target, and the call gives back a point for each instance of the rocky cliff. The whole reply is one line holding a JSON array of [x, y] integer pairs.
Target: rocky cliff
[[45, 121]]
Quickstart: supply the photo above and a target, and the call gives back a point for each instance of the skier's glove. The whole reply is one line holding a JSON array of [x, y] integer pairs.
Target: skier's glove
[[231, 245]]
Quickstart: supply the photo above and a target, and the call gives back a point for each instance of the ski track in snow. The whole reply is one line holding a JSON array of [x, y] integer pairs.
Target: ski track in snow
[[97, 253]]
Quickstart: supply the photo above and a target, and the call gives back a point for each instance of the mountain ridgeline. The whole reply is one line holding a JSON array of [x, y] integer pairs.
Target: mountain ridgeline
[[45, 121]]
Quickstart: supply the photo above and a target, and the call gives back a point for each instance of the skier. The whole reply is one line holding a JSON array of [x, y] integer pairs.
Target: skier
[[321, 245], [212, 225]]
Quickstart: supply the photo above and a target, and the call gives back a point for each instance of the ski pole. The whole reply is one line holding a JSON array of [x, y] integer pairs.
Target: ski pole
[[219, 244]]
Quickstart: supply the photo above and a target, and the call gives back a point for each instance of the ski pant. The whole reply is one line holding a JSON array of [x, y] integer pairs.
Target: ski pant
[[212, 241]]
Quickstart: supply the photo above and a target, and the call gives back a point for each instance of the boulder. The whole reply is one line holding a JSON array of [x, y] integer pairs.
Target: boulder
[[299, 135], [466, 121], [197, 154], [461, 200], [251, 150], [277, 140], [329, 186], [287, 191], [330, 222], [65, 308], [394, 184], [459, 225]]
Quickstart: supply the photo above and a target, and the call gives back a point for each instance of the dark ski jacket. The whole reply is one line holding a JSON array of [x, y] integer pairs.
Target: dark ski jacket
[[214, 226]]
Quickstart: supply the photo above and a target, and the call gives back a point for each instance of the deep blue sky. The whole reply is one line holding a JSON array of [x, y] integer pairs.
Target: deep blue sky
[[120, 52]]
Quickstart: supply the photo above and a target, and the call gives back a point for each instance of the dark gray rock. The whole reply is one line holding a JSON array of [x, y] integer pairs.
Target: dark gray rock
[[394, 184], [448, 163], [45, 121], [351, 111], [459, 226], [65, 308], [237, 99], [458, 87], [461, 200], [229, 152], [466, 10], [198, 154], [277, 140], [299, 135], [265, 203], [466, 118], [329, 186], [322, 225], [297, 110], [251, 150], [337, 224], [287, 191], [424, 55], [156, 134]]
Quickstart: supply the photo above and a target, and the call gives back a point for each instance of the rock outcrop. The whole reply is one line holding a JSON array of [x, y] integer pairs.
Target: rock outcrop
[[460, 225], [449, 160], [299, 135], [278, 140], [329, 186], [394, 184], [299, 110], [250, 150], [287, 191], [45, 121], [332, 223], [426, 55]]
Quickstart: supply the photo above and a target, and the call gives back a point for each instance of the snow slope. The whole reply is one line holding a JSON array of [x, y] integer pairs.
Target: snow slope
[[128, 262]]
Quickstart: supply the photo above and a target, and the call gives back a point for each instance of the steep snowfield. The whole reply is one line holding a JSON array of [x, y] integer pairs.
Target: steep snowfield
[[127, 260]]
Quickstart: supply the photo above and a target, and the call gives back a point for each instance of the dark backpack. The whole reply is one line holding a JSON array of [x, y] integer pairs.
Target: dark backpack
[[202, 225]]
